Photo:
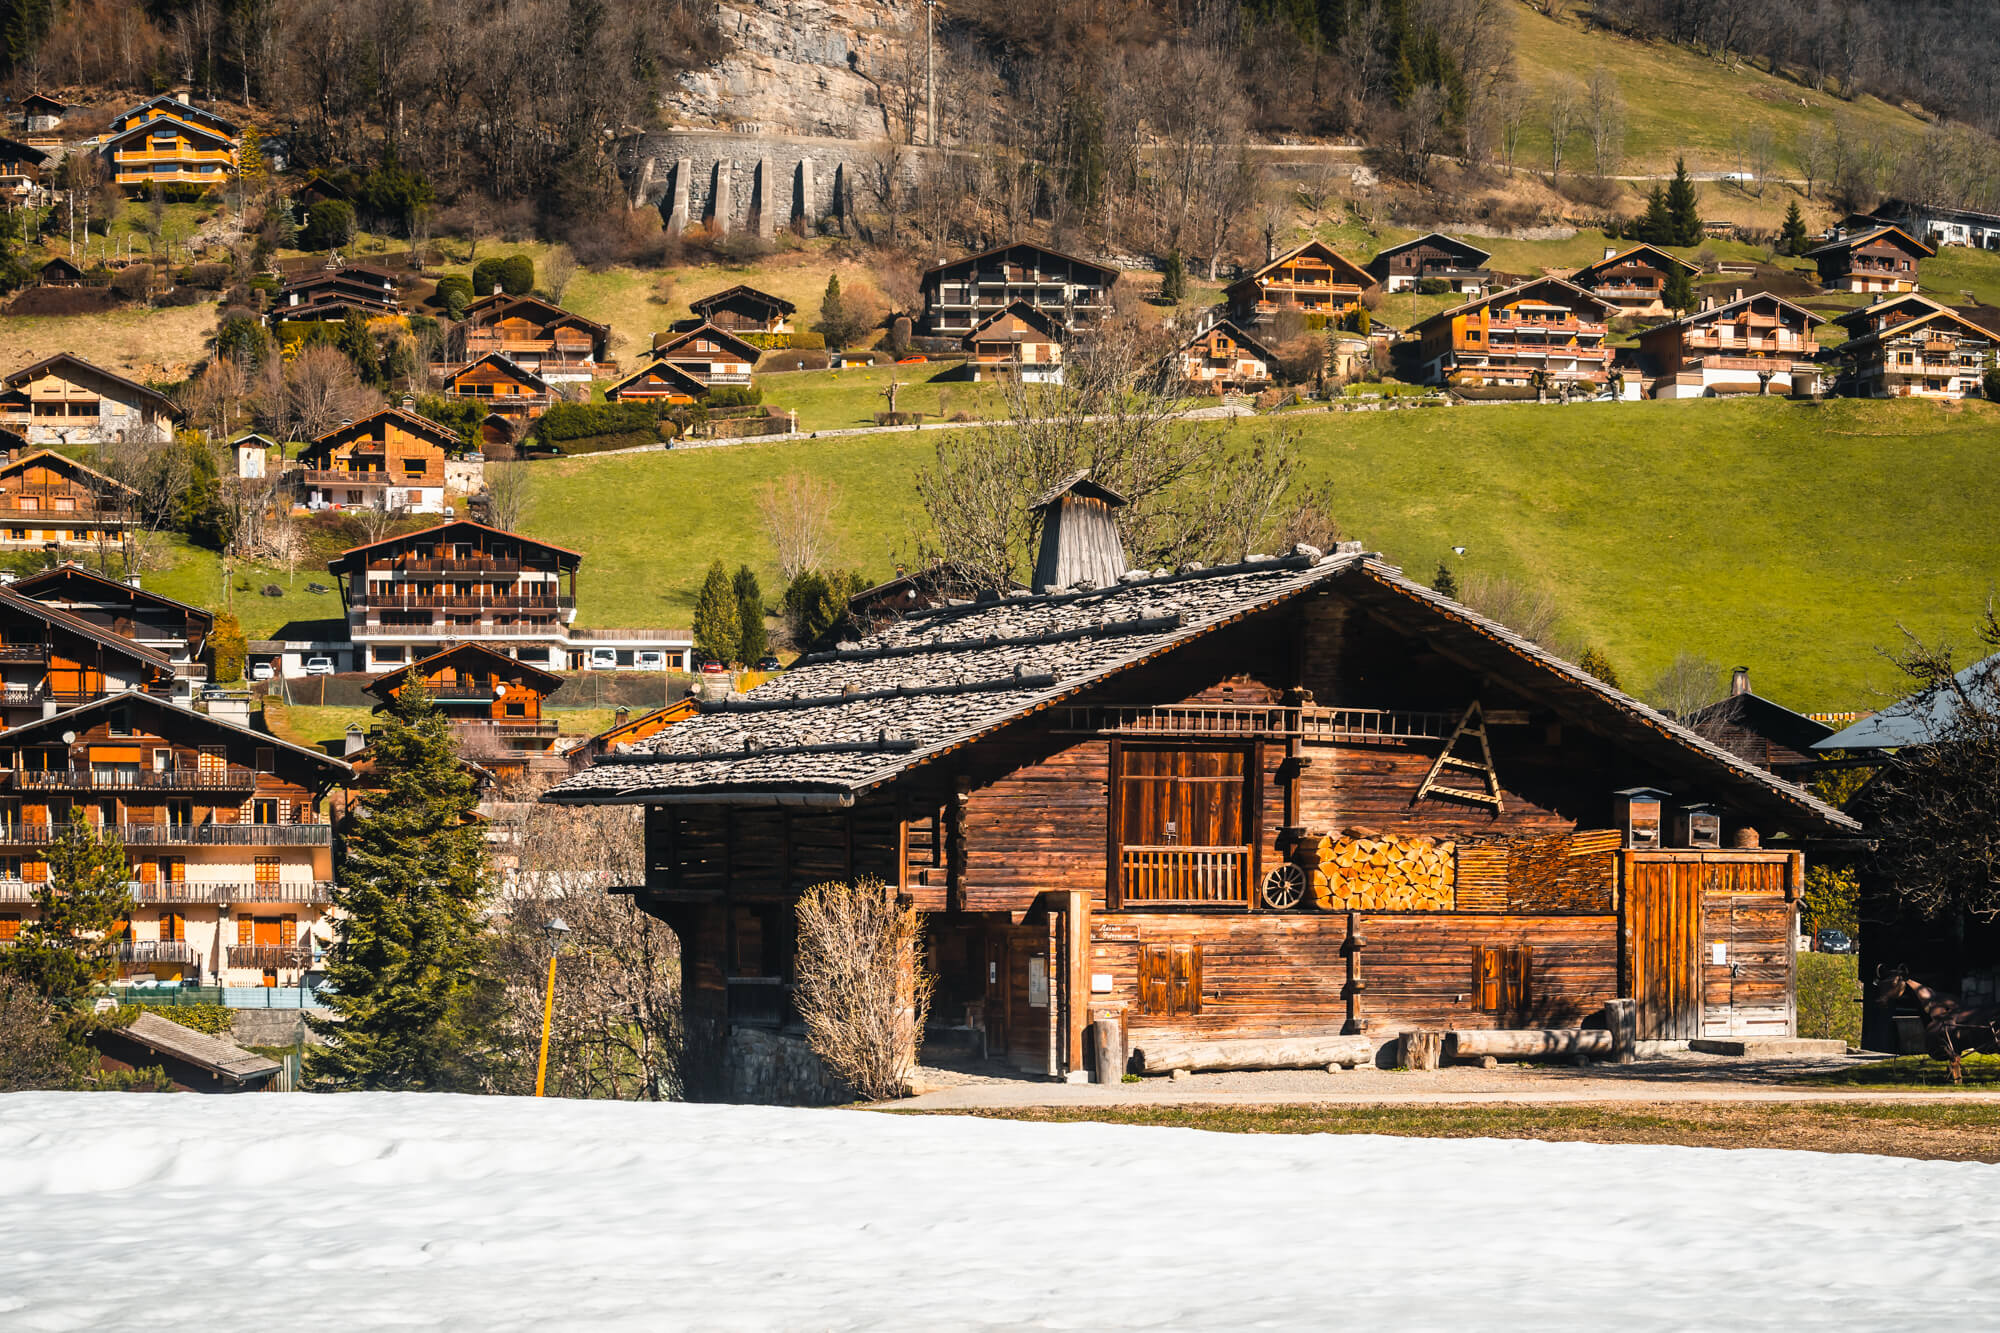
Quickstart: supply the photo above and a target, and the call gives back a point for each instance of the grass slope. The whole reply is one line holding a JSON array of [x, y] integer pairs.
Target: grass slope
[[1791, 537], [143, 344]]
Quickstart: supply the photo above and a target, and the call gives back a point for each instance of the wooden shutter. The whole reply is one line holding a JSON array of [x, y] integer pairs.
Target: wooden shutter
[[1184, 979], [1152, 979], [176, 868], [1486, 986], [1518, 970], [267, 870], [245, 932]]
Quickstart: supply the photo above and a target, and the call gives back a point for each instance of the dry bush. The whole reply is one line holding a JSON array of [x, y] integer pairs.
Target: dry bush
[[1530, 611], [1689, 684], [862, 988], [33, 1051]]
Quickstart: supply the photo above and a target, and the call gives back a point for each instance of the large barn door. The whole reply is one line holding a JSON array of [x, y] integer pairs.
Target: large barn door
[[1662, 943], [1746, 963]]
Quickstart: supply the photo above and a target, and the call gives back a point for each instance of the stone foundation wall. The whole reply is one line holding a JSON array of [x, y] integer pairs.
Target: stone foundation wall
[[771, 1067], [759, 183]]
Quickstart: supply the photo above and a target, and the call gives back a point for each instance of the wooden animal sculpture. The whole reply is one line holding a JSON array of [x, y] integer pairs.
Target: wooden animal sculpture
[[1951, 1027]]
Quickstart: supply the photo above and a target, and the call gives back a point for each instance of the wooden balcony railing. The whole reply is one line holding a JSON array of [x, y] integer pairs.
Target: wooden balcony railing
[[24, 652], [105, 779], [269, 955], [190, 891], [182, 835], [1184, 876], [157, 951]]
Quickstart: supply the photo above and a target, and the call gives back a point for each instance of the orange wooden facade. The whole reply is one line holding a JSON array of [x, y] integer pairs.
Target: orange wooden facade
[[47, 497], [1314, 280], [1547, 332]]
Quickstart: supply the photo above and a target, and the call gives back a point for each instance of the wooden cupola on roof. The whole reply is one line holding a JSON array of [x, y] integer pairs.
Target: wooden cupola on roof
[[1080, 541]]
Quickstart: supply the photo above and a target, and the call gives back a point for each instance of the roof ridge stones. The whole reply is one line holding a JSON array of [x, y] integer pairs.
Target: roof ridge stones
[[1138, 625]]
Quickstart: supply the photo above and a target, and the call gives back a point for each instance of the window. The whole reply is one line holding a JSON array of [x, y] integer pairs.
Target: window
[[10, 925], [1502, 977], [1169, 979], [267, 759], [119, 722], [413, 467], [517, 709], [263, 811]]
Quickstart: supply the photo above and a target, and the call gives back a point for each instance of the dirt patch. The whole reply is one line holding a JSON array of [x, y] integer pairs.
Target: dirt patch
[[1952, 1133], [64, 301]]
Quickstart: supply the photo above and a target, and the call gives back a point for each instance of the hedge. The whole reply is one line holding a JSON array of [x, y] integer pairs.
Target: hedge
[[734, 395], [214, 1019], [577, 421], [769, 342], [808, 342], [597, 444]]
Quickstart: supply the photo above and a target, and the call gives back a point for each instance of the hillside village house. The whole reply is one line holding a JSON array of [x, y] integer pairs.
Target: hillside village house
[[554, 343], [40, 113], [51, 660], [329, 294], [63, 399], [1936, 225], [410, 596], [1884, 259], [21, 165], [1634, 281], [745, 310], [49, 499], [494, 703], [1222, 359], [708, 354], [1315, 280], [177, 631], [1751, 344], [628, 730], [1912, 347], [254, 455], [661, 382], [1545, 333], [507, 390], [961, 294], [1762, 731], [168, 141], [60, 272], [1301, 795], [1020, 340], [1459, 265], [232, 862], [390, 459]]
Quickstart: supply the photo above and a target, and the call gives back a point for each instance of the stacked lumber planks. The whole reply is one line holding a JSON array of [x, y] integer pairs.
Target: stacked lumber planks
[[1563, 872], [1361, 870]]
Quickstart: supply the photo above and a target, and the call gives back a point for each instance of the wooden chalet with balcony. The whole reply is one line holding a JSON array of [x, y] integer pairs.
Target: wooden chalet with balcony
[[1459, 265], [1633, 281], [53, 659], [494, 703], [391, 459], [231, 857], [50, 499], [21, 168], [708, 354], [1315, 280], [1021, 341], [1879, 259], [63, 399], [1911, 347], [512, 392], [628, 730], [661, 382], [330, 294], [1221, 359], [1145, 812], [1753, 344], [1543, 334], [169, 142], [961, 294], [745, 310], [560, 346], [173, 628]]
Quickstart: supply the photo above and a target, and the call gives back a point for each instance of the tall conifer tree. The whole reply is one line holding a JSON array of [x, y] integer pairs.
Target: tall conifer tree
[[404, 970], [718, 626], [83, 906], [1794, 241], [1683, 207], [752, 640]]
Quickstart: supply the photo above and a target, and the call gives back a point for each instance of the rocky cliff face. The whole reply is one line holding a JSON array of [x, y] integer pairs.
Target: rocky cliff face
[[799, 67]]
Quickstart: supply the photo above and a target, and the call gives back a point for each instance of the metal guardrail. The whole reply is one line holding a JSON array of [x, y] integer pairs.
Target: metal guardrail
[[106, 779], [196, 891], [183, 835]]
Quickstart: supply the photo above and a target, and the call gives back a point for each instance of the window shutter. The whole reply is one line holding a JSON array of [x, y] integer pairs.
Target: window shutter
[[244, 931], [1487, 988], [1520, 967], [1152, 979]]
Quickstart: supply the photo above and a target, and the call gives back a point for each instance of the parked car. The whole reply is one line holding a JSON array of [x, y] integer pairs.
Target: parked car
[[1830, 940], [769, 664], [319, 666], [914, 359], [262, 671], [710, 666]]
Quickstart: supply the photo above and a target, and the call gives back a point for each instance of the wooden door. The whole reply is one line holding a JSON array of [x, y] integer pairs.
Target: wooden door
[[1662, 940], [997, 987], [1746, 949]]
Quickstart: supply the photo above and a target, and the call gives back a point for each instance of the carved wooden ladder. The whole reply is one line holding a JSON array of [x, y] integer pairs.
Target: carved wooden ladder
[[1473, 724]]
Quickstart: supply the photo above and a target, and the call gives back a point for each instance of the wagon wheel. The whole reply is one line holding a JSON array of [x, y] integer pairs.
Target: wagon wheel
[[1284, 886]]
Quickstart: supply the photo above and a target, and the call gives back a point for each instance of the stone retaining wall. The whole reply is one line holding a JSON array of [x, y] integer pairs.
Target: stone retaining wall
[[759, 183]]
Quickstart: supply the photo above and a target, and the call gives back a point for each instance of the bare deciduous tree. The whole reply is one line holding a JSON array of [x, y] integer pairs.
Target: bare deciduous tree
[[1690, 683], [862, 988], [797, 511], [1510, 118], [557, 268], [1604, 121], [1530, 611], [313, 393], [508, 487], [1560, 112]]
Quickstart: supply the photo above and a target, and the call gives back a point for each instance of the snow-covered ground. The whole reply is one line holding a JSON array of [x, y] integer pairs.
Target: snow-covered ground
[[357, 1212]]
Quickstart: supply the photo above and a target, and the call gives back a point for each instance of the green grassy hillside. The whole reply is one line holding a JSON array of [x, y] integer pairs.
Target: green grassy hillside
[[1791, 537]]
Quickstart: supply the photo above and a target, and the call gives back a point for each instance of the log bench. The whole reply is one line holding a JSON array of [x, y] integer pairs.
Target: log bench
[[1163, 1055], [1527, 1043]]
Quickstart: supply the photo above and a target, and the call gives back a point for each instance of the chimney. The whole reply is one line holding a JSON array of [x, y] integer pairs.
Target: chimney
[[229, 706], [1708, 303], [1739, 681], [1739, 294], [618, 717], [354, 742], [496, 290], [183, 99], [409, 402], [1079, 535], [131, 580]]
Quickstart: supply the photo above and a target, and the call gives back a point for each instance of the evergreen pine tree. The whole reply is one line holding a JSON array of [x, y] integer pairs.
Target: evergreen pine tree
[[833, 318], [1173, 279], [1597, 664], [1678, 293], [404, 969], [1444, 581], [752, 639], [83, 904], [718, 630], [1794, 241], [1683, 207], [1657, 226]]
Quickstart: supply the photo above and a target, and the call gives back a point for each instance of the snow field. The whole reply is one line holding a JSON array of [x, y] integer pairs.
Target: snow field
[[403, 1211]]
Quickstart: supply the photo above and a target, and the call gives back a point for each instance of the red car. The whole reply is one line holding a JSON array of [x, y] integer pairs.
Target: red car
[[913, 360]]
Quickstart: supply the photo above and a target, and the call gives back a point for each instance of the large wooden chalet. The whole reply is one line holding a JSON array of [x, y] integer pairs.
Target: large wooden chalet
[[1912, 347], [63, 399], [1751, 344], [329, 295], [742, 309], [1878, 259], [52, 659], [170, 142], [537, 335], [1633, 281], [50, 499], [1542, 334], [507, 390], [494, 702], [1297, 796], [960, 294], [1459, 265], [151, 619], [390, 459], [1315, 280]]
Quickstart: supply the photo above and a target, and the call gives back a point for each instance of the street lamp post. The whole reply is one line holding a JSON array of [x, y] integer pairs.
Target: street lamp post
[[556, 930]]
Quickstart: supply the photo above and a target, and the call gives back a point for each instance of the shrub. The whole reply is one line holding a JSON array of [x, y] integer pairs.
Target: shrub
[[768, 342], [862, 989], [460, 414], [1829, 995], [214, 1019], [808, 342], [454, 293], [210, 277], [899, 418], [230, 647], [1432, 286], [486, 276], [329, 225], [576, 421], [734, 395], [517, 275]]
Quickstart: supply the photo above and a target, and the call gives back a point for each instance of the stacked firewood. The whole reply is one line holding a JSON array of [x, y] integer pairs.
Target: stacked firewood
[[1363, 870], [1563, 872]]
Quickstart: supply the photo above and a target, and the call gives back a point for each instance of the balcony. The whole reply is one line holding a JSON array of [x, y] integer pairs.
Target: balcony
[[159, 951], [106, 779], [460, 602], [20, 696], [187, 891], [24, 652], [268, 955], [1176, 876], [1626, 291], [182, 835], [326, 476], [478, 563], [459, 694]]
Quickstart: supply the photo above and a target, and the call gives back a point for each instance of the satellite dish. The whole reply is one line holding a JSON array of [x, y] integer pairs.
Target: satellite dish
[[499, 691], [69, 738]]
